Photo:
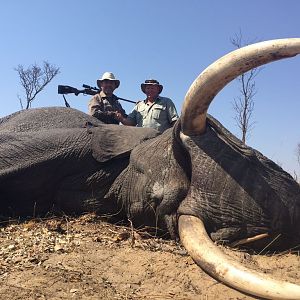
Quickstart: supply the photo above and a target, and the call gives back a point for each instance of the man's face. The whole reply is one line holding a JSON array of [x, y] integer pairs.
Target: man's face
[[151, 90], [108, 86]]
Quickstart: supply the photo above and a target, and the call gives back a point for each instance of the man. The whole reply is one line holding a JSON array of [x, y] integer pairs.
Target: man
[[155, 111], [105, 105]]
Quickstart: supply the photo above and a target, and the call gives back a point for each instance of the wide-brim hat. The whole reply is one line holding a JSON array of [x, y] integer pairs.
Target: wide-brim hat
[[108, 76], [151, 82]]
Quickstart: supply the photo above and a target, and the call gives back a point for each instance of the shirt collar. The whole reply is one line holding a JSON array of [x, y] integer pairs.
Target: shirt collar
[[158, 98]]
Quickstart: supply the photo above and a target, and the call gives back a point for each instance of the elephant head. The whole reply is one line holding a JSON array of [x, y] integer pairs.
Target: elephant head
[[234, 189]]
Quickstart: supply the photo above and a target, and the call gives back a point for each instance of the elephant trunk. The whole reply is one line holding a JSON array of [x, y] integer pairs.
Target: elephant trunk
[[212, 260], [217, 75]]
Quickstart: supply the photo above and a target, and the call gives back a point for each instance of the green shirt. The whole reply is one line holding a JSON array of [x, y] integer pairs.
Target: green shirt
[[160, 115]]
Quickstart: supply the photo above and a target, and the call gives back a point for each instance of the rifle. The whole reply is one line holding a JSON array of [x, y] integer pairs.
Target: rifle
[[87, 90]]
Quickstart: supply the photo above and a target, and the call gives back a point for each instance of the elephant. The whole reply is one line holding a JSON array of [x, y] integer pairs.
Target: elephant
[[196, 181]]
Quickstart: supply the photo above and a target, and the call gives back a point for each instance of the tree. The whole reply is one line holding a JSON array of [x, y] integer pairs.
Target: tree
[[243, 105], [34, 79], [298, 154]]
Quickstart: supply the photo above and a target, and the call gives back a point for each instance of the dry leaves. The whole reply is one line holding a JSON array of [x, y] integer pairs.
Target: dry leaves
[[31, 242]]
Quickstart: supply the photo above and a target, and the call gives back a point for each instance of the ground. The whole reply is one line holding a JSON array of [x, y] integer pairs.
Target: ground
[[88, 258]]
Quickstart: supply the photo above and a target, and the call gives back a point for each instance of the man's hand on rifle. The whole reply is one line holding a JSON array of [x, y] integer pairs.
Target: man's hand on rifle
[[111, 113], [114, 114]]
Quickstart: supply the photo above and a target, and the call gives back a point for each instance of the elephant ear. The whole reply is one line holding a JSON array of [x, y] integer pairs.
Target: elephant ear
[[110, 141]]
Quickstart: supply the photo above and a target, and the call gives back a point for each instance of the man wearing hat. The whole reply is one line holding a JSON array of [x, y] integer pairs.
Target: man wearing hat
[[155, 111], [105, 105]]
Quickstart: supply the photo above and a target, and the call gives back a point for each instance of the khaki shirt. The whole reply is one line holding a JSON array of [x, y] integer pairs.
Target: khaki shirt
[[160, 115], [100, 106]]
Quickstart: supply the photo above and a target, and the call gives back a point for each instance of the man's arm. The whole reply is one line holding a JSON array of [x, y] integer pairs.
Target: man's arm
[[128, 120], [125, 121], [93, 105], [172, 112], [121, 110]]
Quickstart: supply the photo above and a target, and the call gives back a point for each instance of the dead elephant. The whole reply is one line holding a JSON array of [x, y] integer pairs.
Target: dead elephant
[[195, 181]]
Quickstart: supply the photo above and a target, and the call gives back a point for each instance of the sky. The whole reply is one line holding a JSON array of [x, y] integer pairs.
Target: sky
[[172, 41]]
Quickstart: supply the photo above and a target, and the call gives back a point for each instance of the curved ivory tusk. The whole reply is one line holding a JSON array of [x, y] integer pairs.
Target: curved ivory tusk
[[217, 75], [249, 240], [212, 260]]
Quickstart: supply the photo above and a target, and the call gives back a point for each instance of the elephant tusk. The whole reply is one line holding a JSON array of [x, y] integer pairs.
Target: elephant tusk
[[223, 268], [250, 240], [207, 85]]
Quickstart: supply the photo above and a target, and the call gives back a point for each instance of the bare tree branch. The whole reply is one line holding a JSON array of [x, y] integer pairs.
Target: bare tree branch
[[243, 105], [296, 177], [34, 79], [298, 153]]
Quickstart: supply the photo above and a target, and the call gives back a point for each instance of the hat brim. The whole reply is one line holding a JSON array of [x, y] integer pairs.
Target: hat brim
[[115, 80], [143, 85]]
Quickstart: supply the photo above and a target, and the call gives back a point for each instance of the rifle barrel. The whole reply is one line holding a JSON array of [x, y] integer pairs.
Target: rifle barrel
[[126, 100]]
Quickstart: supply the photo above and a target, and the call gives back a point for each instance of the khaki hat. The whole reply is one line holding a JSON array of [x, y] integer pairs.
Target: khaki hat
[[108, 76], [151, 82]]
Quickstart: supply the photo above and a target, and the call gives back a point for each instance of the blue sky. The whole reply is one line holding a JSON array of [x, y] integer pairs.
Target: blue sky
[[169, 40]]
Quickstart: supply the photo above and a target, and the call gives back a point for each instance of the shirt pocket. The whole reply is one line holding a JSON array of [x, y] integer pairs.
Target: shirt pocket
[[140, 114], [158, 112]]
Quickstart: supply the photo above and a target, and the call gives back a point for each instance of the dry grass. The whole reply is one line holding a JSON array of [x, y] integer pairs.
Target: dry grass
[[88, 258]]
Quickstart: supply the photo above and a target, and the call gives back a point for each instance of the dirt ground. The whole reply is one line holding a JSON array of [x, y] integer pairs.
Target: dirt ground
[[87, 258]]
